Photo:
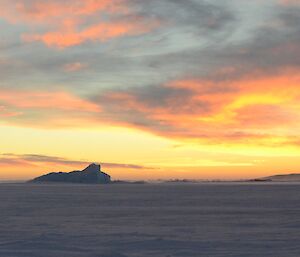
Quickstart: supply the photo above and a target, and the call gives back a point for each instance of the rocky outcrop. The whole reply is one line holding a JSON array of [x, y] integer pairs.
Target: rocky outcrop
[[90, 175]]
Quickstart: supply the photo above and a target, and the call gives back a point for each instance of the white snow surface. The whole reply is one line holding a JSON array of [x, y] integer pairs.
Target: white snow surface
[[182, 220]]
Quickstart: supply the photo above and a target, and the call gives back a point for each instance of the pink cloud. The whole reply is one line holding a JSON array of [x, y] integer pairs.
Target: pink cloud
[[4, 113], [99, 32], [64, 24], [289, 2], [190, 109], [35, 11], [46, 100], [75, 66]]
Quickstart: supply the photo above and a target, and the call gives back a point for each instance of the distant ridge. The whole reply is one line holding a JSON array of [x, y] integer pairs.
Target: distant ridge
[[90, 175], [294, 177]]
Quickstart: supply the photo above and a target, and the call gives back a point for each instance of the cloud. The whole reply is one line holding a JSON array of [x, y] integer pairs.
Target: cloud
[[4, 112], [99, 32], [198, 16], [289, 2], [269, 47], [61, 24], [74, 66], [46, 100], [36, 159], [53, 12], [46, 109], [200, 75], [194, 109], [8, 162], [266, 116], [210, 111]]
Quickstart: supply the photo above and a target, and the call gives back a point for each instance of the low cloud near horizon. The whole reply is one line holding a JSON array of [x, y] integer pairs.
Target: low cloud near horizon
[[36, 159]]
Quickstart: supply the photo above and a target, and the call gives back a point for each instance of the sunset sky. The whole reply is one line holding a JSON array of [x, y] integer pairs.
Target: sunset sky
[[152, 89]]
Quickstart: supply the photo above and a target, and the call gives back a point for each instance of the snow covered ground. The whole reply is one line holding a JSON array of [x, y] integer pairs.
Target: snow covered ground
[[162, 220]]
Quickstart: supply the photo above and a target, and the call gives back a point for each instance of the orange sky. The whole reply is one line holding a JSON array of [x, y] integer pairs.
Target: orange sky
[[152, 90]]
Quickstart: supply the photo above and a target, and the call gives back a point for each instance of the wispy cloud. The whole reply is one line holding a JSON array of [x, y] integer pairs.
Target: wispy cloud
[[74, 66], [36, 159], [206, 110], [66, 24], [46, 100], [289, 2]]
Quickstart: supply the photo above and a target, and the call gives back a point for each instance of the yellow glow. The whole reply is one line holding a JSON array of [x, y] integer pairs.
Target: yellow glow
[[228, 113], [121, 145]]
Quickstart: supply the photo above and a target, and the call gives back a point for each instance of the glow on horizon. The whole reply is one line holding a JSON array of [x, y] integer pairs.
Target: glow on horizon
[[158, 157]]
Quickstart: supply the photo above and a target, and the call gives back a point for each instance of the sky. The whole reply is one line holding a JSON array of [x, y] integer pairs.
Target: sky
[[173, 89]]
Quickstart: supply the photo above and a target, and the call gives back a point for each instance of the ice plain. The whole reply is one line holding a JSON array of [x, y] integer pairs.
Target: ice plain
[[164, 220]]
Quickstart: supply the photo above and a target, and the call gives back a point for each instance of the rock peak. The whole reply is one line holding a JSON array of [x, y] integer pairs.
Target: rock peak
[[92, 174], [94, 167]]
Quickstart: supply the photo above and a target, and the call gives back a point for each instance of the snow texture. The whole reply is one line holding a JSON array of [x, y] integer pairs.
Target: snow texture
[[222, 220]]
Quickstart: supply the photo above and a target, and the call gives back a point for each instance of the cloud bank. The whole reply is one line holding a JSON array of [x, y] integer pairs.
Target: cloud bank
[[188, 70]]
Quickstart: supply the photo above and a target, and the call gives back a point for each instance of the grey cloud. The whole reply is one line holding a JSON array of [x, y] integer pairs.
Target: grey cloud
[[134, 59], [156, 107], [270, 48], [36, 158], [198, 15], [10, 161], [141, 66]]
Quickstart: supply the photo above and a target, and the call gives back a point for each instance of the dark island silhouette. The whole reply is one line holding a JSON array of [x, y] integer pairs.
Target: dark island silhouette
[[90, 175], [294, 177]]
